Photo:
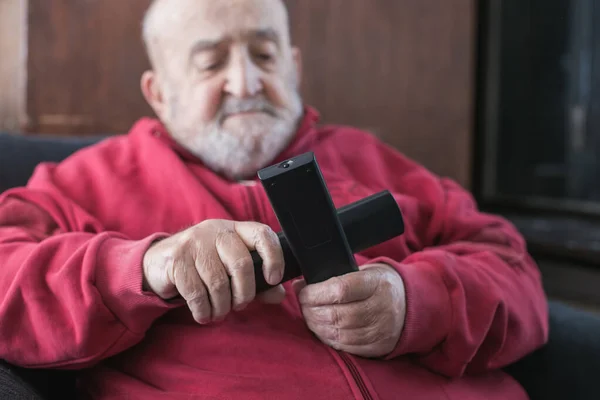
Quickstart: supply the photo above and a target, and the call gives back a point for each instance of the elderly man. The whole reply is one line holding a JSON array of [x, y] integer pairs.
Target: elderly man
[[131, 260]]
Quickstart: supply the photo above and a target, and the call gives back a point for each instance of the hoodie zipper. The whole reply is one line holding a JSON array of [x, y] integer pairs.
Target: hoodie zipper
[[256, 207], [360, 383]]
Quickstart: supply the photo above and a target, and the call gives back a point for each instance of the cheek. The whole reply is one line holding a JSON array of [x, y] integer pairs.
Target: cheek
[[202, 102], [278, 92]]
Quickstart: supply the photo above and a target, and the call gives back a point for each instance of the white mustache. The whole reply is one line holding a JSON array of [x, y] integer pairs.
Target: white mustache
[[232, 105]]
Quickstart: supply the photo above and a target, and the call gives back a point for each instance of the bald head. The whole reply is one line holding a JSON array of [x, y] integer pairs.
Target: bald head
[[168, 20]]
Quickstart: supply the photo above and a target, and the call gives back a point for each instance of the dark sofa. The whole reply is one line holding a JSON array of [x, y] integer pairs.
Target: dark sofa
[[567, 368]]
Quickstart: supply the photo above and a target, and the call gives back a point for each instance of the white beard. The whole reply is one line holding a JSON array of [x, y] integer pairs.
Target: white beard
[[240, 152], [238, 146]]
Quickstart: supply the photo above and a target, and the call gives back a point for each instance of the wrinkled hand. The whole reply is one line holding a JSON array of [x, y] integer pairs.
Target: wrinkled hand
[[361, 313], [210, 266]]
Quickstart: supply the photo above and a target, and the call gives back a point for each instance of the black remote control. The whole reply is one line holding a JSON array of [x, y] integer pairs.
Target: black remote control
[[367, 223], [308, 218]]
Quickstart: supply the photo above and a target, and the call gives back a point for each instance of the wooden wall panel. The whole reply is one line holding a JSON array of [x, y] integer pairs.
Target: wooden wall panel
[[402, 68], [85, 62], [13, 48]]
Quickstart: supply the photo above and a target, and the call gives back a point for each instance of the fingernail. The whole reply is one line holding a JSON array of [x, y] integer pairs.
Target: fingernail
[[275, 277]]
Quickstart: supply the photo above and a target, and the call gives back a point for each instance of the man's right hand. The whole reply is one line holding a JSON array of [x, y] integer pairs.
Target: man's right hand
[[210, 266]]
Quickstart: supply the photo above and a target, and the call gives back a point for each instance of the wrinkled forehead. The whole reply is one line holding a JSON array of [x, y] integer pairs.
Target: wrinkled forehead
[[183, 22]]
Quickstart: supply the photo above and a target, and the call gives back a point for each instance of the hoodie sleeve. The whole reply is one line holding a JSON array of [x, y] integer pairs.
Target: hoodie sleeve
[[70, 293], [475, 300]]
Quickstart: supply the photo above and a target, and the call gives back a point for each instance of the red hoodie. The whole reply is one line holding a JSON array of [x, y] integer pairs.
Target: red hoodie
[[71, 247]]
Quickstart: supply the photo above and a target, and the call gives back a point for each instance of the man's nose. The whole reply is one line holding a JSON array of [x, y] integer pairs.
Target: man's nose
[[243, 78]]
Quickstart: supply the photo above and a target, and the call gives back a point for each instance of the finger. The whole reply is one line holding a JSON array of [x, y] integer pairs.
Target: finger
[[192, 289], [373, 350], [344, 316], [261, 238], [273, 296], [345, 337], [215, 278], [363, 342], [355, 286], [238, 263]]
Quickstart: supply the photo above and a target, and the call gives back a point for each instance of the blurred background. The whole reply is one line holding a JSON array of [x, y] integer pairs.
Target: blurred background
[[502, 96]]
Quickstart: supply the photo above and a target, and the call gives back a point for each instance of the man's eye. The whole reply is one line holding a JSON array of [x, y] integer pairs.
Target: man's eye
[[212, 66], [265, 56]]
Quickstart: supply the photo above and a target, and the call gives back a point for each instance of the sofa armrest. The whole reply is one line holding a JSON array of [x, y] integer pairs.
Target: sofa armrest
[[20, 383], [20, 154], [568, 367], [12, 386]]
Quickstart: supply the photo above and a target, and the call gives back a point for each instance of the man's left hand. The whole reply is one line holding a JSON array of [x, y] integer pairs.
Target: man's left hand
[[361, 313]]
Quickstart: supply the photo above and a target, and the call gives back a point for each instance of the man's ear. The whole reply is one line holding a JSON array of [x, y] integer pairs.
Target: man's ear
[[152, 92], [297, 57]]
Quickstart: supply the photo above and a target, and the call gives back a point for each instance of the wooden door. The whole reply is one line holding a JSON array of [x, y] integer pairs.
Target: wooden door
[[13, 69], [84, 66]]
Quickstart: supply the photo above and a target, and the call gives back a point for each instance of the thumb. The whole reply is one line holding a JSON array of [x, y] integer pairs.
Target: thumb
[[273, 296]]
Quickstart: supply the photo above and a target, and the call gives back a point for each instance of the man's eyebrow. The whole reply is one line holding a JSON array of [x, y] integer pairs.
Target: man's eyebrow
[[262, 34], [265, 34], [203, 45]]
